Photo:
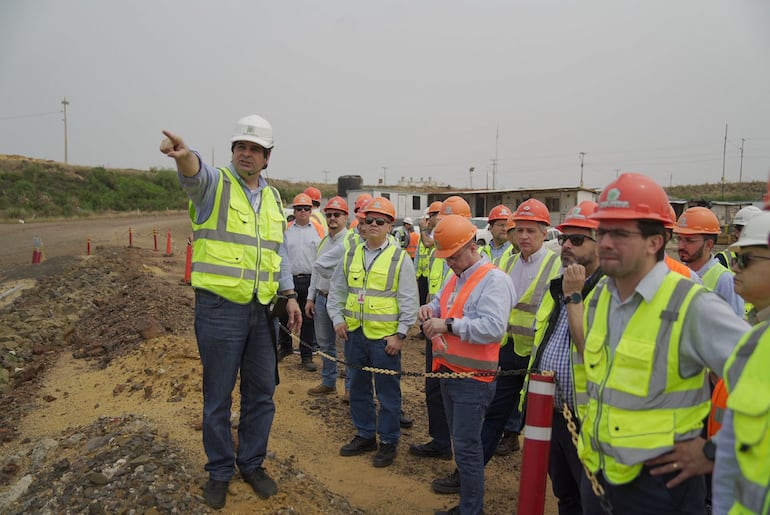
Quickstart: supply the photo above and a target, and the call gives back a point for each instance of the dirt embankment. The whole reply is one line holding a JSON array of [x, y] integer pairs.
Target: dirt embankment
[[102, 404]]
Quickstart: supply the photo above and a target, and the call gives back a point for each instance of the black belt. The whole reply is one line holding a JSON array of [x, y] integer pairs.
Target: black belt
[[302, 275]]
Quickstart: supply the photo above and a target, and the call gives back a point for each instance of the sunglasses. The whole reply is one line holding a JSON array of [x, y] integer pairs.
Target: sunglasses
[[335, 214], [302, 208], [371, 220], [575, 239], [744, 260]]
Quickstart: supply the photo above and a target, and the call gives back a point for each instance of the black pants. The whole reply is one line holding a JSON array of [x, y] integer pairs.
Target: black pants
[[307, 332], [564, 467], [422, 288], [438, 426]]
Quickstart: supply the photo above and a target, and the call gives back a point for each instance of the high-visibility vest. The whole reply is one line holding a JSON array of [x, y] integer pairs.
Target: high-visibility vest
[[319, 218], [353, 223], [521, 322], [712, 275], [423, 259], [718, 407], [372, 294], [452, 352], [678, 267], [507, 259], [317, 226], [326, 239], [411, 246], [748, 386], [637, 402], [726, 258], [437, 277], [487, 251], [234, 253]]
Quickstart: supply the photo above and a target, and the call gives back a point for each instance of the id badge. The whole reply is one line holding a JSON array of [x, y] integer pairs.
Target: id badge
[[361, 297]]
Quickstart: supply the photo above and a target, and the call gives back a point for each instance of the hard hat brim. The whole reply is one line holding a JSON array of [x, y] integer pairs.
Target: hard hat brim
[[253, 139]]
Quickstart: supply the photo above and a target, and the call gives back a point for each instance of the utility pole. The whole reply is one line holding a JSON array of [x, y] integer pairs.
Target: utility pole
[[724, 152], [65, 103], [494, 162], [470, 175], [384, 176], [581, 154], [617, 172], [740, 173], [326, 176]]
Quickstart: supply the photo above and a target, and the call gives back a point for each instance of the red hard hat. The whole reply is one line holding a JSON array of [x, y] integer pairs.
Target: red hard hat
[[532, 210], [337, 203], [578, 216], [500, 212], [672, 216], [698, 220], [633, 196], [314, 193], [302, 200]]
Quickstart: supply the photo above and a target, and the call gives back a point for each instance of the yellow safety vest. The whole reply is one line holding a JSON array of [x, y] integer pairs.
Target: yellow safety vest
[[423, 259], [712, 275], [372, 294], [235, 251], [521, 322], [487, 251], [437, 277], [638, 403], [320, 219], [748, 387]]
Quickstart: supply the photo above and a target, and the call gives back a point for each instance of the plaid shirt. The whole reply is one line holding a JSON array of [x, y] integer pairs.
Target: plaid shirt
[[556, 357]]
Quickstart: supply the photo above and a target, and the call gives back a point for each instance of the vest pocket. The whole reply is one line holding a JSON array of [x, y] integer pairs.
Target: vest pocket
[[626, 430], [751, 416], [632, 367]]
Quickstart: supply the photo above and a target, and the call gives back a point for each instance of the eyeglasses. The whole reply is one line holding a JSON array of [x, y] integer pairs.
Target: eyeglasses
[[687, 240], [615, 234], [302, 208], [743, 260], [334, 214], [575, 239], [431, 215], [371, 220]]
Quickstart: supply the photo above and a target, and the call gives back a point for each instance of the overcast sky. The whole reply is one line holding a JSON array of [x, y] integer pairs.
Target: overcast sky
[[420, 87]]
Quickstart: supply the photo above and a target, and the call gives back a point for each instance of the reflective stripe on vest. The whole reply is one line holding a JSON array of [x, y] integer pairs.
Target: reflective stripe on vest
[[638, 403], [235, 251], [448, 349], [376, 289], [521, 322], [748, 387], [712, 275]]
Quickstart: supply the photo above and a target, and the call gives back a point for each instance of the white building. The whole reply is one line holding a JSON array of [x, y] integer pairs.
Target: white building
[[407, 204]]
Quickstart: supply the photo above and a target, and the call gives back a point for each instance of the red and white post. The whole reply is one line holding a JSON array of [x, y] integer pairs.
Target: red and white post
[[537, 444]]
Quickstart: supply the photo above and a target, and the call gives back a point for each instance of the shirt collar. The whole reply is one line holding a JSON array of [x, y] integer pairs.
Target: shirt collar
[[649, 284], [475, 266]]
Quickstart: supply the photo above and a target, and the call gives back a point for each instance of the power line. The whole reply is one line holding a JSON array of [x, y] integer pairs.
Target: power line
[[17, 116]]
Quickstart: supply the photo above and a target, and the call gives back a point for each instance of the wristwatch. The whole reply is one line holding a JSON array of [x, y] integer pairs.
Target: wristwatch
[[401, 336], [710, 450], [449, 322], [575, 298], [291, 295]]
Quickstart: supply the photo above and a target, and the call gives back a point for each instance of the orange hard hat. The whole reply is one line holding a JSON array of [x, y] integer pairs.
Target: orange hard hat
[[337, 203], [302, 200], [698, 220], [510, 223], [766, 198], [314, 193], [434, 206], [672, 218], [578, 216], [451, 234], [382, 206], [454, 205], [633, 196], [532, 210], [500, 212], [361, 200]]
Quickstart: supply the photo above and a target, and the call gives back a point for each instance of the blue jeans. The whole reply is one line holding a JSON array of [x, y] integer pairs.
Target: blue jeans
[[386, 423], [465, 402], [327, 341], [233, 337]]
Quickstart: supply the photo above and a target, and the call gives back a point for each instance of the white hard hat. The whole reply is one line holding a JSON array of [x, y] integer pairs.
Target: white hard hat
[[408, 220], [255, 129], [745, 214], [755, 232]]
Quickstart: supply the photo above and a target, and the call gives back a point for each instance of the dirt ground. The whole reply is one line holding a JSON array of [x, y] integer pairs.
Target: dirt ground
[[127, 347]]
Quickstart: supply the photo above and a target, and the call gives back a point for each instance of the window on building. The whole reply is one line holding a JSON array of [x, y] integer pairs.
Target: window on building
[[385, 195], [416, 202], [553, 204]]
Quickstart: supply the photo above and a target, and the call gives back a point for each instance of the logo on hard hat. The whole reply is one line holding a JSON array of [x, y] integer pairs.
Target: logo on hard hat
[[575, 213], [449, 210], [250, 129], [377, 204], [612, 200], [683, 222], [336, 203]]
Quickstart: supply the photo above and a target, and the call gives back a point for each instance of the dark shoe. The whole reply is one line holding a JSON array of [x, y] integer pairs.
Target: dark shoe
[[405, 421], [454, 510], [309, 366], [358, 445], [282, 353], [385, 455], [508, 443], [346, 397], [430, 450], [263, 485], [447, 485], [215, 493], [322, 389]]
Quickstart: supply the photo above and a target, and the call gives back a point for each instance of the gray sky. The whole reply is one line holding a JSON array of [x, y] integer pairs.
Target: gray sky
[[420, 87]]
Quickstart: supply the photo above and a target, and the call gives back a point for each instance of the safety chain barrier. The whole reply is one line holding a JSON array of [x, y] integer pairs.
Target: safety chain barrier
[[597, 487], [387, 371]]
